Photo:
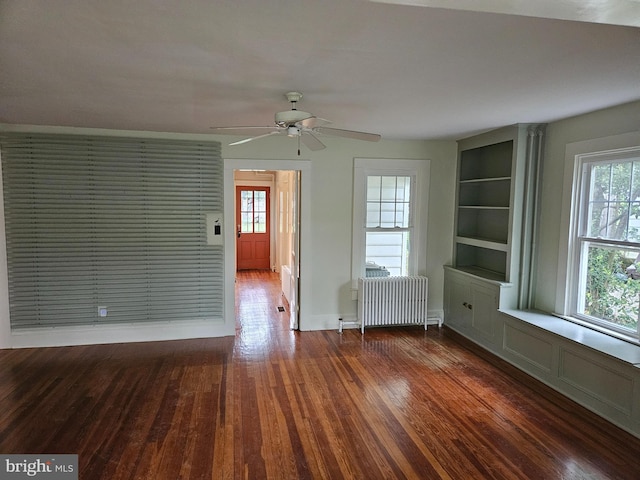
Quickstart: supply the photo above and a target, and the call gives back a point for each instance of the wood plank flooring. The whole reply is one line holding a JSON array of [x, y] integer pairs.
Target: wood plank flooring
[[276, 404]]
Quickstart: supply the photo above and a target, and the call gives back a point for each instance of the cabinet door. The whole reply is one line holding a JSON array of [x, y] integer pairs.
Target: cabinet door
[[458, 302], [485, 307]]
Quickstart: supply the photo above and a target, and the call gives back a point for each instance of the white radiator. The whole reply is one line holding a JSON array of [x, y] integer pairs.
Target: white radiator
[[392, 301]]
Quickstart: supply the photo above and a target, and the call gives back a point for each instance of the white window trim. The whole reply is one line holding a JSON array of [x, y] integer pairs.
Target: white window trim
[[417, 168], [576, 154]]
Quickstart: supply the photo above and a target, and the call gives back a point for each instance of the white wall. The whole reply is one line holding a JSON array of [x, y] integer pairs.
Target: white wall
[[331, 208], [331, 214], [602, 123], [329, 265]]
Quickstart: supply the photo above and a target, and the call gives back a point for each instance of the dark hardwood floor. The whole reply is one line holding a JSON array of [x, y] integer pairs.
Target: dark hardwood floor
[[272, 403]]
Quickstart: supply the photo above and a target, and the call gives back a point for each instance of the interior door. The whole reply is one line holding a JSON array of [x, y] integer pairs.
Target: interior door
[[294, 303], [252, 228]]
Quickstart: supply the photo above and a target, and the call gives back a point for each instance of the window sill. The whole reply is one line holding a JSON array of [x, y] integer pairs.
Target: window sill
[[626, 351]]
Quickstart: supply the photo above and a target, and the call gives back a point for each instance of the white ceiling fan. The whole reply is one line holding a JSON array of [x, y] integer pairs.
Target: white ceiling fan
[[296, 123]]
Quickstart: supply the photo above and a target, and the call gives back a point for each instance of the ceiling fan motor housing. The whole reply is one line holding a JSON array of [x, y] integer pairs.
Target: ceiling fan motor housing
[[291, 117]]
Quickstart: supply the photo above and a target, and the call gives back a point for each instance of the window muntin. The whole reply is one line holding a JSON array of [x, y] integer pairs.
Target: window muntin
[[607, 248]]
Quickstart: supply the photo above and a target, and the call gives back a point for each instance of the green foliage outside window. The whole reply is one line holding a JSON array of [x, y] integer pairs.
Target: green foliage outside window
[[613, 287]]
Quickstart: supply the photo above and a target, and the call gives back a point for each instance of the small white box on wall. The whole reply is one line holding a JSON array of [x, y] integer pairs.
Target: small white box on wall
[[215, 232]]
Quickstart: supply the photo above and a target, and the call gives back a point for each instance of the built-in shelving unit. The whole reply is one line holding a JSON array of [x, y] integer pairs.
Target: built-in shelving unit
[[484, 206], [494, 218]]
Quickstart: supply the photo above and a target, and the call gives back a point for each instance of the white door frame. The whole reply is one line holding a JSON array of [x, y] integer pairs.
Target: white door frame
[[232, 164]]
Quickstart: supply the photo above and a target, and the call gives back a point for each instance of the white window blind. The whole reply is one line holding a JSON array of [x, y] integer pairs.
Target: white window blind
[[110, 222]]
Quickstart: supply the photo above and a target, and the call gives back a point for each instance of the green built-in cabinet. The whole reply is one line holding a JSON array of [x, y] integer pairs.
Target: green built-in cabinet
[[494, 221]]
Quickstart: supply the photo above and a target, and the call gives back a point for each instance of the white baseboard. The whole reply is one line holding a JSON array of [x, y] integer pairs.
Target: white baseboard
[[118, 333], [332, 322]]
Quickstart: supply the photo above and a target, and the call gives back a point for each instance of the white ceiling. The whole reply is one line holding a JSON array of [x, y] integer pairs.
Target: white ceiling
[[404, 71]]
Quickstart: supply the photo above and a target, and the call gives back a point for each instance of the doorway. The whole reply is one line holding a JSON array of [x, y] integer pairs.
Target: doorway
[[291, 254], [253, 228]]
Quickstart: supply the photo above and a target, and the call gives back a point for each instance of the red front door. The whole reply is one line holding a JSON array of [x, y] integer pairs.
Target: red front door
[[252, 228]]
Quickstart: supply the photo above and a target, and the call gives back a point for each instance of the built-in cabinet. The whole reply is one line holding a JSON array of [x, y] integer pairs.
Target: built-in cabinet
[[494, 218], [471, 306]]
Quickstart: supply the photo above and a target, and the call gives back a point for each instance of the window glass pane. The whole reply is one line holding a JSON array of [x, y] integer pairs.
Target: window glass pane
[[610, 220], [373, 215], [612, 279], [609, 200], [246, 222], [634, 197], [388, 193], [389, 250], [373, 188], [260, 223], [387, 215], [246, 200], [260, 201], [405, 215], [634, 223], [403, 189]]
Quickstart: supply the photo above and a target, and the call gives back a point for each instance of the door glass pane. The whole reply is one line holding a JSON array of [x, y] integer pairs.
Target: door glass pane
[[246, 211], [246, 201], [260, 201], [260, 212], [260, 223], [246, 223]]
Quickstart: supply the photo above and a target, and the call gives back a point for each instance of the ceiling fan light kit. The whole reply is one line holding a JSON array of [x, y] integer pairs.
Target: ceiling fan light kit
[[296, 123]]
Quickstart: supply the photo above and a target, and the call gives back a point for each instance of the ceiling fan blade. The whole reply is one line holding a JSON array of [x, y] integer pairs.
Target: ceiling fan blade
[[311, 141], [338, 132], [250, 139], [313, 122], [242, 130]]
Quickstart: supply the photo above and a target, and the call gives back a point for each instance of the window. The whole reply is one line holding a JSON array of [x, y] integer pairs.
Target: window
[[389, 237], [605, 245], [388, 224], [253, 211]]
